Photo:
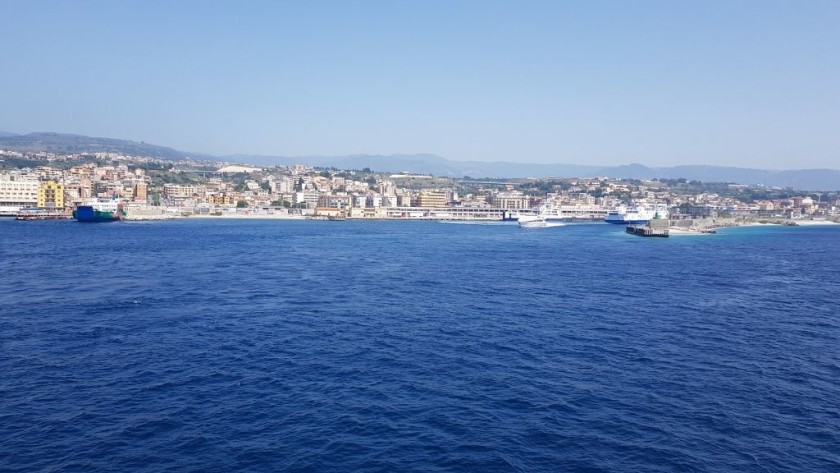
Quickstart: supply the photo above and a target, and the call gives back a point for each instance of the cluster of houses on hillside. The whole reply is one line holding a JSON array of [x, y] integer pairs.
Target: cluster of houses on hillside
[[66, 181]]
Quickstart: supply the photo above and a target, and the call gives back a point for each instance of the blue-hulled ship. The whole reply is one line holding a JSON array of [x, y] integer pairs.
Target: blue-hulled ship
[[99, 211]]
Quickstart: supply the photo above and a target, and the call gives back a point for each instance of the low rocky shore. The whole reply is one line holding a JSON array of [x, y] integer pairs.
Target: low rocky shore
[[707, 224]]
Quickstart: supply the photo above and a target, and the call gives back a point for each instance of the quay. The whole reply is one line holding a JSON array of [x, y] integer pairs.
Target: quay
[[654, 228]]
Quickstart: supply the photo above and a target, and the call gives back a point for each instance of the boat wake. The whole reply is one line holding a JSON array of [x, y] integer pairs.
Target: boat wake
[[473, 222], [541, 225]]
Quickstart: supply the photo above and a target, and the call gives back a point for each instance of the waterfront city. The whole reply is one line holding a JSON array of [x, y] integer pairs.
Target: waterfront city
[[154, 188]]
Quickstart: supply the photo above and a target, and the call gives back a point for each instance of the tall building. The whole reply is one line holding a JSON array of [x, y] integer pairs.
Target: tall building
[[51, 195], [141, 192]]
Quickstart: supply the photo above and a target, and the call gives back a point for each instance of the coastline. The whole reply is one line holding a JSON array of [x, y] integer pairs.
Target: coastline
[[246, 216], [710, 226], [812, 223], [781, 222]]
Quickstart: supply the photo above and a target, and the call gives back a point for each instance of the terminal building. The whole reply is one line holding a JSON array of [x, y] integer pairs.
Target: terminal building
[[17, 192]]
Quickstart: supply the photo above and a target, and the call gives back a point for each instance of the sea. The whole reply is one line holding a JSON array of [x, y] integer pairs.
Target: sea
[[416, 346]]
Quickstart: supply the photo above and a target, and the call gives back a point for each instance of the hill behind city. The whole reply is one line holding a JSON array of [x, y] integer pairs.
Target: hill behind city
[[809, 179]]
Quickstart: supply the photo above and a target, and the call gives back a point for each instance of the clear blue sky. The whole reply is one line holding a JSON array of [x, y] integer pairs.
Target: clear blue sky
[[735, 82]]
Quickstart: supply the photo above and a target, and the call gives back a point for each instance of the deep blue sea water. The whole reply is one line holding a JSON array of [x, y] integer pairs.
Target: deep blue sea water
[[191, 346]]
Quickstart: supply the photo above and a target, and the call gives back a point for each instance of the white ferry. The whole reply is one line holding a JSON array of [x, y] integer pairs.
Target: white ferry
[[636, 215], [556, 214]]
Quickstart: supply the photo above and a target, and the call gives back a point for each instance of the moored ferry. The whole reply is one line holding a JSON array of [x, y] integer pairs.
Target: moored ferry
[[636, 215], [554, 213], [99, 211]]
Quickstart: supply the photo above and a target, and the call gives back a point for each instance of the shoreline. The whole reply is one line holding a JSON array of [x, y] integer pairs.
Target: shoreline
[[816, 223], [756, 222], [711, 226], [677, 227], [247, 216]]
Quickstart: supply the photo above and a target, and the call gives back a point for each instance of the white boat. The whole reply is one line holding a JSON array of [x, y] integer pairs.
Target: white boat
[[541, 217], [532, 221], [557, 214], [538, 221], [636, 215]]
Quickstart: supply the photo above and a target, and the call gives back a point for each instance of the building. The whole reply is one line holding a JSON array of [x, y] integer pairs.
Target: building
[[433, 199], [141, 192], [177, 191], [51, 195], [404, 200], [513, 200], [308, 199], [282, 185], [17, 192], [220, 199], [301, 169], [334, 201], [330, 212]]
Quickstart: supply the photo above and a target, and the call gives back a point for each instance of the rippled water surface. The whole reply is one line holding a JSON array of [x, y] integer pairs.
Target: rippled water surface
[[416, 346]]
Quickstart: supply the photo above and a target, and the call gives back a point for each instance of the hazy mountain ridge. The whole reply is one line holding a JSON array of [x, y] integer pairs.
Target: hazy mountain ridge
[[808, 179], [69, 143]]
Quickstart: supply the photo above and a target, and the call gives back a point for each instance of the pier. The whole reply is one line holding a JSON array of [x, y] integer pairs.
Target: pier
[[654, 228]]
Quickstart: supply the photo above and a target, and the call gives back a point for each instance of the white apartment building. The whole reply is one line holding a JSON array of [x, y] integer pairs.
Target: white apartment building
[[283, 185], [177, 191], [308, 198], [17, 191], [514, 200]]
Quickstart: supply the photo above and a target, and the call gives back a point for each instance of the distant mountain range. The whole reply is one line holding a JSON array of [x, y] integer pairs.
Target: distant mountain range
[[808, 179], [65, 143]]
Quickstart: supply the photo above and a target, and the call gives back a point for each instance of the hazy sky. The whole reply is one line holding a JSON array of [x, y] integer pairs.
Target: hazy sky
[[735, 82]]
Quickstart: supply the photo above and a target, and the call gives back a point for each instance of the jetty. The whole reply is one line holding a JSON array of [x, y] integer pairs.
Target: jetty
[[656, 227]]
